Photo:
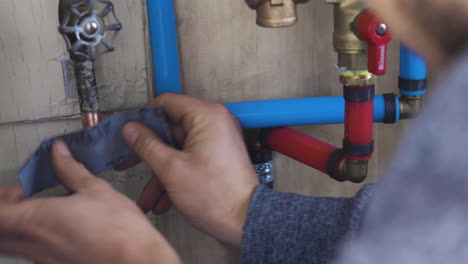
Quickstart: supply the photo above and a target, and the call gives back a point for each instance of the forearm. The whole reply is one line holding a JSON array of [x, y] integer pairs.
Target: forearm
[[289, 228]]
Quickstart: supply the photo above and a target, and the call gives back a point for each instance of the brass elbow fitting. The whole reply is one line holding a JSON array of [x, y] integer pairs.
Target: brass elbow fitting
[[352, 52], [353, 170], [275, 13], [410, 106]]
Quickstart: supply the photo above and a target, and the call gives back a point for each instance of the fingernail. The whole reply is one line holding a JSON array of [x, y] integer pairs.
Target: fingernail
[[130, 133], [62, 149]]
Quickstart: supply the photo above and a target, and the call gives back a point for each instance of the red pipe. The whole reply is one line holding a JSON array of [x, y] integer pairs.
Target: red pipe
[[301, 147], [359, 124], [319, 155]]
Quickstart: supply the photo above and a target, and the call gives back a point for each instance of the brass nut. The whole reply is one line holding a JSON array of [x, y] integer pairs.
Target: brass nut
[[357, 78], [352, 61], [275, 13]]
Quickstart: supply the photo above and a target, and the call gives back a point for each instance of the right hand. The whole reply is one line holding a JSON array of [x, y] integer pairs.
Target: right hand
[[211, 179], [438, 33]]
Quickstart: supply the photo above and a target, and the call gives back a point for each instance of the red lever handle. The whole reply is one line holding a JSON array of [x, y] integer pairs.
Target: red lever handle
[[375, 32]]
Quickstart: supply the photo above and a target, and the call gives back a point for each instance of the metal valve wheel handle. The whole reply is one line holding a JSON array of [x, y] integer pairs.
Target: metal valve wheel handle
[[84, 28]]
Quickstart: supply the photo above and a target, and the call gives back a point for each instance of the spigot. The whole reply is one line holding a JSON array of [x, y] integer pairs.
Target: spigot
[[376, 34], [86, 25], [275, 13], [85, 28]]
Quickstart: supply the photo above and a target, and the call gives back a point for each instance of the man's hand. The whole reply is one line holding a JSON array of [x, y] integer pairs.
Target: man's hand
[[435, 28], [210, 180], [95, 224]]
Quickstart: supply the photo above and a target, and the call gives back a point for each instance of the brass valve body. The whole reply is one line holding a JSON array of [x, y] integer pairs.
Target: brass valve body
[[352, 52], [275, 13]]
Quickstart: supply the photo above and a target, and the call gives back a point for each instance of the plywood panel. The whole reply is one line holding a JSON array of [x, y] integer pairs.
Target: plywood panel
[[30, 61], [225, 57]]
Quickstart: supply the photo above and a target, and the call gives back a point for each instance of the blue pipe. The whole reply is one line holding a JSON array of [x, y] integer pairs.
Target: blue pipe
[[412, 68], [164, 46], [259, 114], [300, 111]]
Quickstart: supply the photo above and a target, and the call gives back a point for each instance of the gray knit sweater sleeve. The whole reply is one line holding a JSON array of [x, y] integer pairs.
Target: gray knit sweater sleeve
[[290, 228]]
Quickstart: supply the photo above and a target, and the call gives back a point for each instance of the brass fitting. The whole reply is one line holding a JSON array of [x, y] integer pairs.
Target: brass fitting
[[357, 78], [275, 13], [252, 136], [353, 170], [352, 52], [410, 106]]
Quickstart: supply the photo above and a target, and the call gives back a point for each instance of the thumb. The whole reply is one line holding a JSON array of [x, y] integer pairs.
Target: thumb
[[148, 146], [69, 171]]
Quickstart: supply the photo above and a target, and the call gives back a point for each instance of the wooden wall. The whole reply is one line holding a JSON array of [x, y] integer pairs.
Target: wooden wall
[[225, 58]]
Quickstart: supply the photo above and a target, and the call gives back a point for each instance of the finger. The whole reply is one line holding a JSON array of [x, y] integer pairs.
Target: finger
[[177, 106], [178, 134], [71, 173], [128, 164], [149, 146], [11, 194], [151, 194], [163, 205]]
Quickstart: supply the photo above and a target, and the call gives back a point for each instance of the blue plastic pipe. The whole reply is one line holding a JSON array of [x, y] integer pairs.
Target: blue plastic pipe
[[257, 114], [299, 112], [412, 67], [164, 46]]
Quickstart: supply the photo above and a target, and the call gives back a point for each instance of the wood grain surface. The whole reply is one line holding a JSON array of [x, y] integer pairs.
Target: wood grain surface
[[225, 58]]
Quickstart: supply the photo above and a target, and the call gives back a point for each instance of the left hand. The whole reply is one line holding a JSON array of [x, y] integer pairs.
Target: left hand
[[95, 224]]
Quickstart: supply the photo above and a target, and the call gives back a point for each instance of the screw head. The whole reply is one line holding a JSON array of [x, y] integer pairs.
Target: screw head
[[382, 29], [91, 28]]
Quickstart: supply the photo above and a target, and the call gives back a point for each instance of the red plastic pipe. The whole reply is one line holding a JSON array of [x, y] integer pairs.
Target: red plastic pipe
[[301, 147], [359, 124]]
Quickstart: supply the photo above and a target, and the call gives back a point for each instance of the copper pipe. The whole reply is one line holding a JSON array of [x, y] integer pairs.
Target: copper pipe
[[90, 119]]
